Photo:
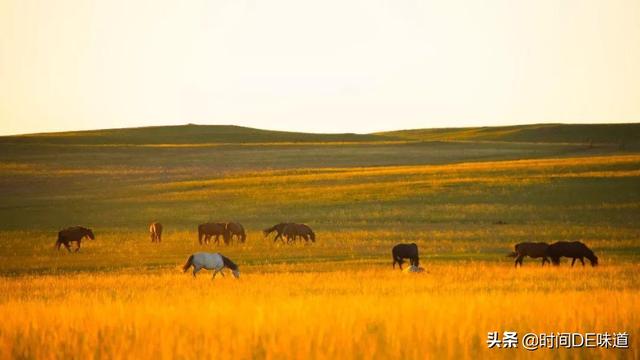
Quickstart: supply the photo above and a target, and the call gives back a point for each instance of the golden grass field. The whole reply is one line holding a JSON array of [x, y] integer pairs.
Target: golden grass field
[[351, 310], [123, 297]]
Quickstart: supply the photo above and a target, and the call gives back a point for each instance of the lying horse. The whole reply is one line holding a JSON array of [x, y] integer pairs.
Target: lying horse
[[211, 261], [405, 251], [74, 233], [533, 250], [278, 228], [292, 231], [574, 249], [234, 229], [155, 230], [207, 230]]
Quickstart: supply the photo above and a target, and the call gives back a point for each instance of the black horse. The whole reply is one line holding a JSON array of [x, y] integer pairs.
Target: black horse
[[73, 234], [405, 251], [573, 249]]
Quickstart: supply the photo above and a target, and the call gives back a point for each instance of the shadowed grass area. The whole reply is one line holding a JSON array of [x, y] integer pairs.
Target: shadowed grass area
[[458, 211]]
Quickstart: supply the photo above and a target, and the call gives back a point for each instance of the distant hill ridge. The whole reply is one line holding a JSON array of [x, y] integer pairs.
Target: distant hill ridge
[[546, 133], [209, 134]]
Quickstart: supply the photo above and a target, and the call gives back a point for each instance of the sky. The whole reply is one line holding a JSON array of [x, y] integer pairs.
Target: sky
[[317, 66]]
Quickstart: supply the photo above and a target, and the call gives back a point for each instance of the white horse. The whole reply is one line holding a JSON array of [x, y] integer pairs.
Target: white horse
[[211, 261]]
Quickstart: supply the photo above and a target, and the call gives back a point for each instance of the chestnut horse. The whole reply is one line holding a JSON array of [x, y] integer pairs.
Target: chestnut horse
[[207, 230], [278, 228], [234, 229], [155, 230], [531, 249], [292, 231]]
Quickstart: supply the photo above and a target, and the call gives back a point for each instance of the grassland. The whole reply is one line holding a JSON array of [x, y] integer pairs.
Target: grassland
[[464, 202]]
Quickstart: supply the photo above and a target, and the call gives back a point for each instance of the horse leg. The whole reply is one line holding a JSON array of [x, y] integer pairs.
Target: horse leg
[[195, 270], [544, 259], [78, 248], [66, 245], [214, 274], [582, 260], [573, 261], [519, 260]]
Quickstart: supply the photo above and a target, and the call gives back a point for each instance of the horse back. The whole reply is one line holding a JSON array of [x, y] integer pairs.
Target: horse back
[[569, 249], [212, 228], [73, 233], [405, 250], [208, 260], [532, 249]]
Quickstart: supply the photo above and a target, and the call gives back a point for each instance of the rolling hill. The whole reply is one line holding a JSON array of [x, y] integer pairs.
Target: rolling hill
[[545, 133], [184, 134], [225, 134]]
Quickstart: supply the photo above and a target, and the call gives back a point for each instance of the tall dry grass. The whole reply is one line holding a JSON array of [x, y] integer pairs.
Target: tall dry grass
[[348, 310]]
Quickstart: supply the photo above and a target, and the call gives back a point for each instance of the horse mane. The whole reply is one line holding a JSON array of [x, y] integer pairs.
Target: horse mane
[[228, 263]]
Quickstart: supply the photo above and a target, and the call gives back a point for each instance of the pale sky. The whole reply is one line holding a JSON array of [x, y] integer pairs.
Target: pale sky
[[320, 66]]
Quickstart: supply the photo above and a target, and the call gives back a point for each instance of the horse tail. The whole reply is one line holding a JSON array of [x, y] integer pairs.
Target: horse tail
[[188, 264], [59, 241], [512, 254], [243, 236]]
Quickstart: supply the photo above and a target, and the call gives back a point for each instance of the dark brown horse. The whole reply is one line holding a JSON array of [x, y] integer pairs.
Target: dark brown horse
[[292, 231], [74, 233], [573, 249], [234, 229], [207, 230], [278, 228], [405, 251], [530, 249], [155, 231]]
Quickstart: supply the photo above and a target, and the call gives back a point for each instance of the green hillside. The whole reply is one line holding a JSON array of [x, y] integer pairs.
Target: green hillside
[[547, 133], [627, 134], [184, 134]]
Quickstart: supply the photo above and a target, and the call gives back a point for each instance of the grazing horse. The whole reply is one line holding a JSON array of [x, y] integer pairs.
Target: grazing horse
[[278, 228], [210, 261], [292, 231], [405, 251], [74, 233], [574, 249], [207, 230], [534, 250], [234, 228], [155, 230]]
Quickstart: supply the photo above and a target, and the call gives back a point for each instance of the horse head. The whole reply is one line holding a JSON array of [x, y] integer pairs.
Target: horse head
[[90, 234], [236, 273], [268, 231]]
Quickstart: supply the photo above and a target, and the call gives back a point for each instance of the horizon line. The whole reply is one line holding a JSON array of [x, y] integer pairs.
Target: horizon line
[[46, 132]]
